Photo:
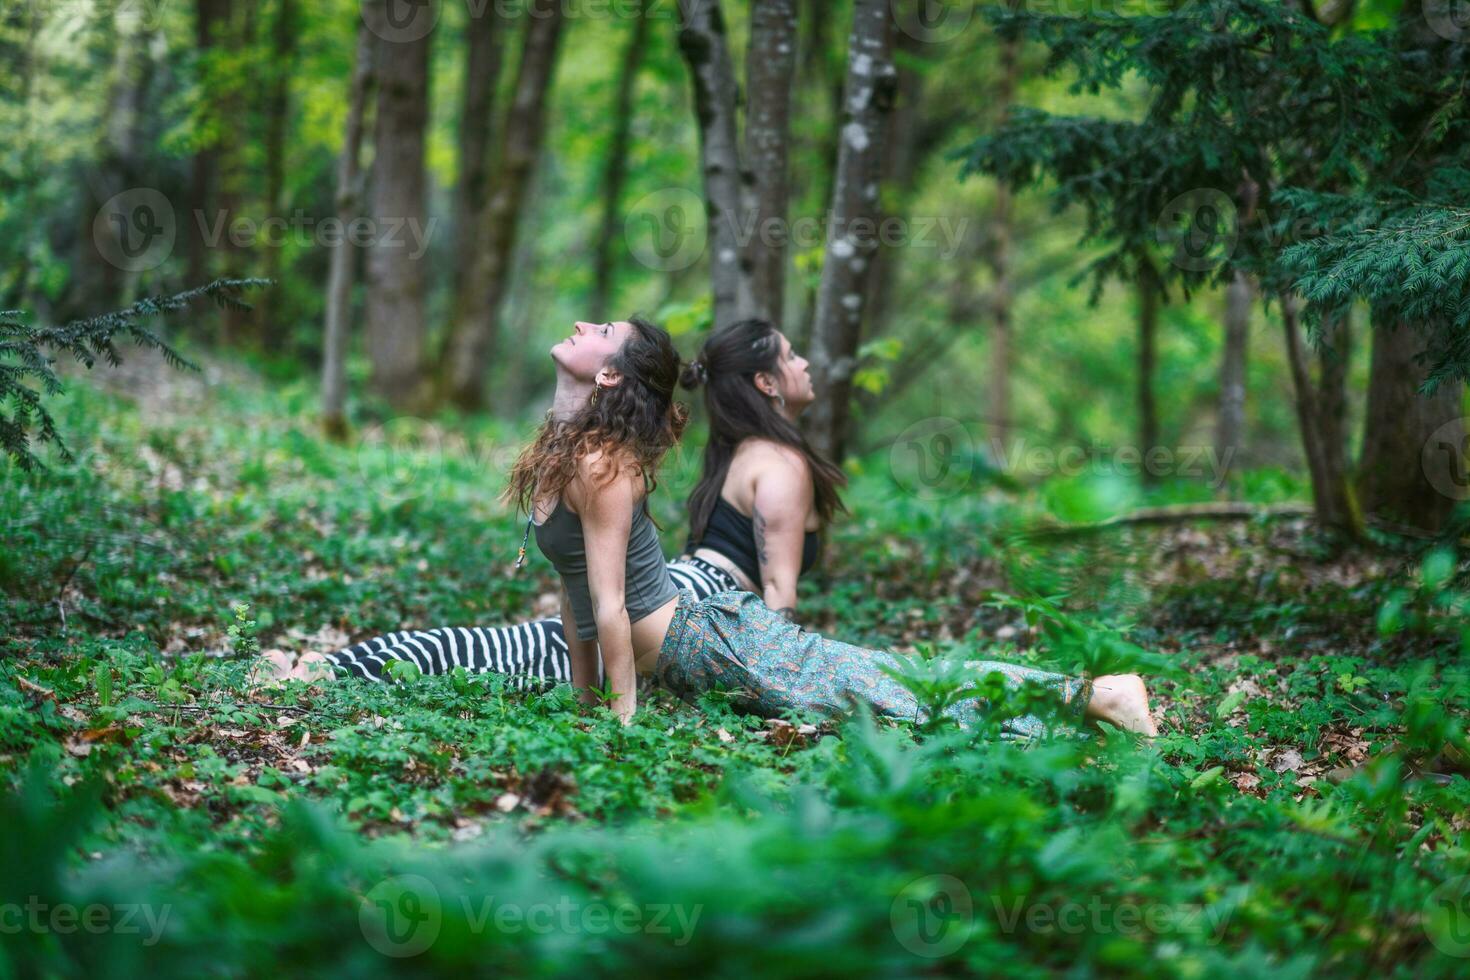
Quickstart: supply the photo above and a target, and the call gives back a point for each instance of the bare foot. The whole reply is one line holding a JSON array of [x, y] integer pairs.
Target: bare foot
[[277, 664], [312, 667], [1122, 700]]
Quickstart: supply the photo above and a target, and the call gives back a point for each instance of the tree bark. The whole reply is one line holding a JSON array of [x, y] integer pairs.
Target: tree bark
[[277, 117], [1230, 423], [1406, 474], [615, 167], [473, 334], [1332, 492], [343, 257], [1333, 353], [999, 258], [238, 105], [868, 96], [770, 67], [486, 32], [208, 16], [396, 325], [705, 49], [1148, 332]]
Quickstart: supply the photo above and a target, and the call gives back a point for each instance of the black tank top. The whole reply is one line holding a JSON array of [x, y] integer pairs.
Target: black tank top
[[732, 534]]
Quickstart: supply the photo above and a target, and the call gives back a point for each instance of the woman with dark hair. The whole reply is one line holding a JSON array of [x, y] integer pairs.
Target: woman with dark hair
[[764, 495], [584, 483], [755, 517]]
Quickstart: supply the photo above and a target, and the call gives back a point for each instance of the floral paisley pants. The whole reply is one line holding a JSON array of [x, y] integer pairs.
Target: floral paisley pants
[[771, 665]]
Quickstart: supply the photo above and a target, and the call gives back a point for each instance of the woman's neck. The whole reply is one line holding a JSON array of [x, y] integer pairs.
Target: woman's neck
[[572, 395]]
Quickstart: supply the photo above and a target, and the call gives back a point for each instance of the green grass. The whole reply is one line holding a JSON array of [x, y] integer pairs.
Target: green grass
[[1304, 812]]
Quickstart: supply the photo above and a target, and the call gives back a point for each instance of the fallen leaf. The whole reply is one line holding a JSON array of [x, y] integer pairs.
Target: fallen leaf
[[725, 736], [507, 802]]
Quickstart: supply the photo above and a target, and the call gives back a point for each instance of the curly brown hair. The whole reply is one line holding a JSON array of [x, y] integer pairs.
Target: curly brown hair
[[633, 424]]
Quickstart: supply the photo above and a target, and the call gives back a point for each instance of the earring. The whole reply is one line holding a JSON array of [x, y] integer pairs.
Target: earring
[[780, 401], [596, 390]]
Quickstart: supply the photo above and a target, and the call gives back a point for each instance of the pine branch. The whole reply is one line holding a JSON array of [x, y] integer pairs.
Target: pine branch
[[22, 356]]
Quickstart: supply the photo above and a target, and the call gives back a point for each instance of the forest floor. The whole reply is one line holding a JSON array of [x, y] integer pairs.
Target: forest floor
[[1304, 810]]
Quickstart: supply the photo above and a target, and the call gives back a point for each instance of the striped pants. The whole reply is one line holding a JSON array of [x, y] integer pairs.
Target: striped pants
[[534, 652]]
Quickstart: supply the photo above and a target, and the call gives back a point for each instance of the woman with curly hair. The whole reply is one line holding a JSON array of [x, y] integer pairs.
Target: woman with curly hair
[[584, 483], [756, 515]]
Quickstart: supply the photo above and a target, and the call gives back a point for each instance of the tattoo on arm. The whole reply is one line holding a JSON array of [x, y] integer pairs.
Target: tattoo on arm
[[759, 523], [789, 612]]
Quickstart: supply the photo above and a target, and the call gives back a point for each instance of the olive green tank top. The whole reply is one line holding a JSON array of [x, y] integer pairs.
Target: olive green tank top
[[647, 584]]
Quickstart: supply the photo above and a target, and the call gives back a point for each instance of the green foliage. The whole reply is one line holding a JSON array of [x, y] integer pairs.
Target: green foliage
[[22, 356]]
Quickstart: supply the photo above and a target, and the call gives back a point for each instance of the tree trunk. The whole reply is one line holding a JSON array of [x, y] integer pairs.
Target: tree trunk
[[842, 296], [1230, 423], [1410, 472], [396, 324], [1332, 366], [113, 245], [615, 168], [209, 15], [1332, 492], [237, 112], [278, 107], [1148, 332], [343, 256], [999, 258], [770, 67], [706, 50], [471, 341], [476, 132]]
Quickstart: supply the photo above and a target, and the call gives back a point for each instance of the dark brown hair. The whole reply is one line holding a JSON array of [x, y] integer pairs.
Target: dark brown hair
[[726, 366], [633, 423]]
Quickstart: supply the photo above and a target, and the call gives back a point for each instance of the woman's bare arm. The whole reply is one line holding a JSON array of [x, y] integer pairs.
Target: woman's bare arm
[[778, 511], [583, 653], [606, 510]]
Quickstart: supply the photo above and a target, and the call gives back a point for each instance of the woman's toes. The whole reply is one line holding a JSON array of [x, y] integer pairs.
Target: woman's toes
[[313, 667]]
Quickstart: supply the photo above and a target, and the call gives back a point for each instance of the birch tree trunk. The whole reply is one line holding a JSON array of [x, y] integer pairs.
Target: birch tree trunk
[[770, 68], [705, 48], [615, 167], [868, 96], [486, 32], [344, 255], [473, 334], [396, 325]]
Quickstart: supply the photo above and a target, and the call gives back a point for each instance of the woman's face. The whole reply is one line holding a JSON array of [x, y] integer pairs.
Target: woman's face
[[586, 351], [793, 380]]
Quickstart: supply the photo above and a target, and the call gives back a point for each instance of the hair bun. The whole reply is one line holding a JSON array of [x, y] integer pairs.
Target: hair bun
[[696, 373]]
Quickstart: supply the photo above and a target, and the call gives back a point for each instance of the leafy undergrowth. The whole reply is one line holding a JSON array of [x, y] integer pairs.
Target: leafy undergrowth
[[1304, 811]]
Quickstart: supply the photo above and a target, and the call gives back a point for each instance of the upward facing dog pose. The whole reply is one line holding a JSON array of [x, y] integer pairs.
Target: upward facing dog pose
[[584, 481], [763, 498]]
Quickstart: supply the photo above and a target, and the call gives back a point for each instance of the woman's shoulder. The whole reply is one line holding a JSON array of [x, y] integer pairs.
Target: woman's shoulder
[[607, 475], [757, 451]]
